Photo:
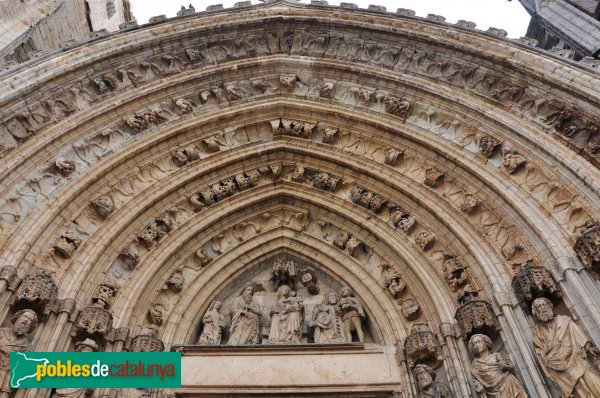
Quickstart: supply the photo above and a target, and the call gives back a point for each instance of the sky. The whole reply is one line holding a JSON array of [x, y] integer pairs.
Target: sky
[[504, 14]]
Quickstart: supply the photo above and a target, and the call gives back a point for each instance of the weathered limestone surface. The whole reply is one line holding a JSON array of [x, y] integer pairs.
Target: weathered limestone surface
[[277, 198]]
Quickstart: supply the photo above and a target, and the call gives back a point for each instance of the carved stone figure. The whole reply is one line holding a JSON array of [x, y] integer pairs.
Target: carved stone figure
[[427, 387], [352, 314], [66, 167], [512, 161], [148, 342], [175, 281], [425, 240], [397, 106], [184, 105], [104, 295], [454, 272], [288, 82], [433, 177], [409, 308], [245, 316], [471, 204], [327, 321], [202, 257], [403, 220], [66, 244], [565, 353], [104, 205], [88, 345], [284, 272], [392, 156], [392, 280], [329, 135], [286, 317], [156, 314], [493, 374], [15, 340], [214, 323]]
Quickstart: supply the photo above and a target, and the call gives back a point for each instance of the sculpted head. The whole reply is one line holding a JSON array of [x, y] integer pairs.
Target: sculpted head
[[542, 309], [24, 322], [346, 291], [284, 291], [479, 344], [424, 376], [215, 306], [248, 290], [88, 345], [330, 298]]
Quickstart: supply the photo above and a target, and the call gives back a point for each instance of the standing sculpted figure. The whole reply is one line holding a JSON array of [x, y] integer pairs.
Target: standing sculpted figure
[[565, 353], [245, 316], [286, 317], [427, 387], [352, 314], [493, 374], [214, 322], [88, 345], [14, 340], [326, 320]]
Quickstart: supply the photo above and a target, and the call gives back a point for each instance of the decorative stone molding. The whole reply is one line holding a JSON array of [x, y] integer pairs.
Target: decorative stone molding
[[146, 343], [94, 322]]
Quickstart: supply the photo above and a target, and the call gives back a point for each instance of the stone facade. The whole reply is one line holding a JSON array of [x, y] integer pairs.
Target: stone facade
[[376, 193]]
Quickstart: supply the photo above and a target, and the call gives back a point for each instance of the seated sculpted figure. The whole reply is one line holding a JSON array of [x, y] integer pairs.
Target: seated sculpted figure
[[214, 322], [15, 340], [352, 314], [245, 317], [326, 320], [565, 353], [427, 387], [286, 317], [493, 374]]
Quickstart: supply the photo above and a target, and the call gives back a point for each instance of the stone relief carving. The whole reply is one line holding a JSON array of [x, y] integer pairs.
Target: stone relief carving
[[287, 315], [326, 320], [409, 308], [105, 295], [397, 107], [66, 244], [175, 282], [186, 155], [367, 199], [493, 375], [425, 240], [392, 281], [427, 387], [587, 247], [156, 314], [433, 177], [64, 166], [454, 272], [14, 339], [214, 322], [104, 205], [245, 316], [352, 314], [565, 353], [202, 257], [511, 161], [292, 128]]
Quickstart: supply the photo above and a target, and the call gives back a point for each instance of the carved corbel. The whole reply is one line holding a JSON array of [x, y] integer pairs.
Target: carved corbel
[[476, 316], [37, 292]]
